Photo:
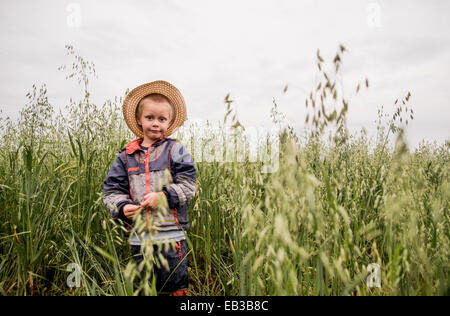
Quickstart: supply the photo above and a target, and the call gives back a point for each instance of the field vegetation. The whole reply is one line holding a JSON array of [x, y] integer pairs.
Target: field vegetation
[[336, 204]]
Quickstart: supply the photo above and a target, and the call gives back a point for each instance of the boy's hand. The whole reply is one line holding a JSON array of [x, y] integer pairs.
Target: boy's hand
[[130, 210], [151, 200]]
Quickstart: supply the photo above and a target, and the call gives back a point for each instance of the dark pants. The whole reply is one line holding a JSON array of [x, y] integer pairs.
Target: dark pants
[[175, 279]]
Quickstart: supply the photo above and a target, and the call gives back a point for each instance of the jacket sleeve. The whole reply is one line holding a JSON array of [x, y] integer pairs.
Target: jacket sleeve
[[116, 190], [182, 167]]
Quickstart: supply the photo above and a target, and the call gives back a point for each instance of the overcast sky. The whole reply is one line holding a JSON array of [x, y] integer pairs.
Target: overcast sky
[[251, 49]]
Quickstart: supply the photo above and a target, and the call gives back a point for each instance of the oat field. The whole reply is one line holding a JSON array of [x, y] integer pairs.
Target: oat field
[[343, 214]]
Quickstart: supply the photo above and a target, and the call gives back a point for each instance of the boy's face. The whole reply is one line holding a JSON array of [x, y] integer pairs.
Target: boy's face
[[154, 119]]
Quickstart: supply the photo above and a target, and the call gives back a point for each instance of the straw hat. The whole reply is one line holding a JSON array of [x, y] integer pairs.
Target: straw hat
[[162, 87]]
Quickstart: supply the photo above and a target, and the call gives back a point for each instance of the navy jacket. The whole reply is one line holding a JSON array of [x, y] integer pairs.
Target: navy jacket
[[135, 173]]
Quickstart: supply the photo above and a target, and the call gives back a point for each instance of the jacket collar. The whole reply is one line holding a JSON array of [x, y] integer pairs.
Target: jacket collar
[[134, 145]]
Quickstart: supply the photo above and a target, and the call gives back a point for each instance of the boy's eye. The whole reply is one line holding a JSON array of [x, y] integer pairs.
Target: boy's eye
[[151, 117]]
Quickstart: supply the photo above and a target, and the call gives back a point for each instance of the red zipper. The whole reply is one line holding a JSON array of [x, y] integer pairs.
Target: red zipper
[[147, 183], [147, 172]]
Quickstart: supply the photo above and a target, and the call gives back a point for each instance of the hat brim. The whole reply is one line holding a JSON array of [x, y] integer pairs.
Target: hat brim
[[162, 87]]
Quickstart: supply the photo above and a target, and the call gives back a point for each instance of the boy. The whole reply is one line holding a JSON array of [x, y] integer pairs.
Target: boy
[[153, 111]]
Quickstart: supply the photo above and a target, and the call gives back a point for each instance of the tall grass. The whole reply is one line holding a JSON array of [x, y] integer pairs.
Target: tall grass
[[311, 228]]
